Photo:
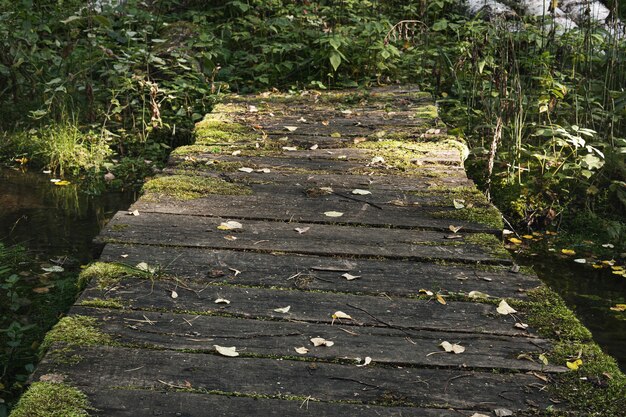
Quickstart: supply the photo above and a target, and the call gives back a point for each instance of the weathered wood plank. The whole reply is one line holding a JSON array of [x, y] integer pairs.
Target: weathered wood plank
[[160, 402], [195, 231], [105, 366], [316, 307], [296, 206], [280, 339], [393, 277]]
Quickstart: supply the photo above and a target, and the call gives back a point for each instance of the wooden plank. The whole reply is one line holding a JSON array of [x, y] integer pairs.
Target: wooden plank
[[315, 307], [280, 339], [105, 367], [263, 236], [373, 210], [393, 277], [161, 402]]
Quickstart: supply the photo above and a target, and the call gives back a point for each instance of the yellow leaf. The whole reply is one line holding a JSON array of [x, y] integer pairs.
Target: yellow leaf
[[515, 241], [530, 237], [62, 183], [568, 252], [441, 300], [335, 135], [574, 365], [619, 307], [597, 266]]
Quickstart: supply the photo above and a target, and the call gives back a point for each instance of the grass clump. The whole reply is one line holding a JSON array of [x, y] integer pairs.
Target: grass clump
[[75, 331], [106, 274], [187, 187], [47, 399]]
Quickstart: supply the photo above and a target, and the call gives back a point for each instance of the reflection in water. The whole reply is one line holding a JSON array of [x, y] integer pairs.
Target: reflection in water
[[590, 293], [53, 220]]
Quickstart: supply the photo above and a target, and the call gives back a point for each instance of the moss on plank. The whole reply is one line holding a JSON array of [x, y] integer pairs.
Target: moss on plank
[[48, 399], [598, 387], [108, 274], [208, 132], [427, 111], [112, 303], [75, 331], [188, 187], [489, 216], [489, 243]]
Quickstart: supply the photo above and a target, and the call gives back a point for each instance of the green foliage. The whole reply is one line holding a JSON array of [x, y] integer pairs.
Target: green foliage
[[29, 305]]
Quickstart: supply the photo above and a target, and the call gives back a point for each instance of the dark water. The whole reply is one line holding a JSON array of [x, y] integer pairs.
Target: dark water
[[590, 293], [50, 220]]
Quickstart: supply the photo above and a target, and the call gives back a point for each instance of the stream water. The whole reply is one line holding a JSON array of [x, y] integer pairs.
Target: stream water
[[58, 221]]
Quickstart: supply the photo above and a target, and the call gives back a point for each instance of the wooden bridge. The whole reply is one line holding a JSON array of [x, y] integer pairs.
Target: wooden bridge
[[315, 254]]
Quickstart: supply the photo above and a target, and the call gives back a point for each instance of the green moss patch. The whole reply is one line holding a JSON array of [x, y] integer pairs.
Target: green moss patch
[[597, 387], [187, 187], [106, 274], [210, 131], [112, 303], [47, 399], [75, 331], [489, 216], [489, 243], [428, 111]]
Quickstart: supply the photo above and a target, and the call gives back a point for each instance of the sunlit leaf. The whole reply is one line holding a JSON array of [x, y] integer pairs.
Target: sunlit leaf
[[504, 308], [574, 365], [226, 351]]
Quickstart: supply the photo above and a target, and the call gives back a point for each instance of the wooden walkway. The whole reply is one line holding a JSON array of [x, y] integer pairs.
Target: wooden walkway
[[334, 243]]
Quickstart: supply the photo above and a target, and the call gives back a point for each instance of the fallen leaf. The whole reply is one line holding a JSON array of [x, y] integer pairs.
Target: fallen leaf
[[619, 307], [426, 292], [528, 237], [341, 315], [235, 271], [458, 204], [515, 241], [477, 294], [314, 147], [302, 120], [441, 300], [335, 135], [301, 230], [367, 361], [133, 213], [543, 358], [380, 133], [608, 245], [247, 170], [320, 341], [41, 290], [54, 268], [325, 122], [142, 266], [502, 412], [358, 191], [235, 153], [453, 236], [252, 109], [574, 365], [454, 229], [230, 225], [449, 347], [569, 252], [504, 308], [333, 213], [580, 261], [301, 350], [226, 351], [347, 111], [290, 148], [264, 170], [230, 237], [222, 301], [174, 294], [282, 309], [350, 277], [62, 183], [479, 415], [291, 128], [522, 326], [377, 160], [359, 140]]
